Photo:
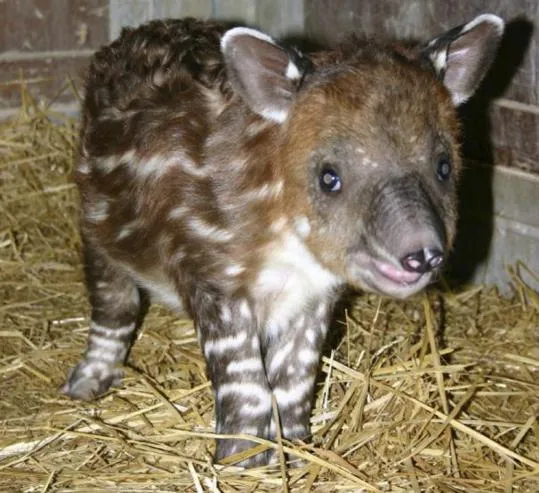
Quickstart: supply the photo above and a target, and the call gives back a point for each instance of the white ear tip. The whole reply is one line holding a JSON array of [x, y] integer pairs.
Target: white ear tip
[[243, 31], [496, 21]]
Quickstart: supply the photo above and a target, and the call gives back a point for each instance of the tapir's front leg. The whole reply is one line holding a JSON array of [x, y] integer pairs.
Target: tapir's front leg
[[230, 342], [292, 359]]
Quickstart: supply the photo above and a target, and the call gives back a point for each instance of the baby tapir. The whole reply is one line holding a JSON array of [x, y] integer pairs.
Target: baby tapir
[[247, 183]]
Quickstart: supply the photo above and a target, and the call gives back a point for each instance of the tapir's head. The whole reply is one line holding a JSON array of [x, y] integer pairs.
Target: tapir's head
[[369, 145]]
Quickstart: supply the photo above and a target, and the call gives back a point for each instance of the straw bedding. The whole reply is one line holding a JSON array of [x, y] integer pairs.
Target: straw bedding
[[436, 394]]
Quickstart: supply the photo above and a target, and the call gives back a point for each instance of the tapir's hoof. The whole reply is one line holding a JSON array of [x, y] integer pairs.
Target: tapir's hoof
[[90, 379]]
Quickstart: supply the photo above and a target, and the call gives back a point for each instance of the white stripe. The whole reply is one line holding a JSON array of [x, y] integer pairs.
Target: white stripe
[[245, 312], [97, 211], [112, 333], [108, 356], [234, 270], [205, 230], [178, 212], [226, 314], [279, 357], [105, 342], [287, 397], [246, 365], [224, 344], [310, 336], [262, 407], [246, 389]]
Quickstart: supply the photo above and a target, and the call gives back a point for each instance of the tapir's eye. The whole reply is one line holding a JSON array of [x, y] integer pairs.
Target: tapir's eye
[[330, 181], [443, 168]]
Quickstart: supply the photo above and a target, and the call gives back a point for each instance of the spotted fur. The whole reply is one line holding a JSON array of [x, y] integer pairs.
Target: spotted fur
[[201, 172]]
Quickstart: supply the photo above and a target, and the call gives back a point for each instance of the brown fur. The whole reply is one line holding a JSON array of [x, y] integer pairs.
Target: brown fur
[[190, 191]]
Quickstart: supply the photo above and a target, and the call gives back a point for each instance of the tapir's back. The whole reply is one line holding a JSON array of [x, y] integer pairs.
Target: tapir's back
[[158, 69]]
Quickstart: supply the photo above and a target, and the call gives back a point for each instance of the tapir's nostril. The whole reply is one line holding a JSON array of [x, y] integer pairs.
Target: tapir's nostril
[[423, 260]]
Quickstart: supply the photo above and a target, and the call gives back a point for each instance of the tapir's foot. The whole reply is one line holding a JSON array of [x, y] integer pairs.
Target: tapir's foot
[[90, 379], [229, 447]]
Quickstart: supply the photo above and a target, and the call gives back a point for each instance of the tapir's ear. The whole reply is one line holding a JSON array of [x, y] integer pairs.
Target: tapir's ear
[[263, 73], [462, 56]]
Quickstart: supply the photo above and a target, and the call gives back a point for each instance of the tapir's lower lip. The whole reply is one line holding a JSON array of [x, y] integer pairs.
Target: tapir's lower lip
[[396, 275]]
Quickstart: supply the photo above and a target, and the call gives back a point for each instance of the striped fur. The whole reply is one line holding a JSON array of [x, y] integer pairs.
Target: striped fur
[[207, 161]]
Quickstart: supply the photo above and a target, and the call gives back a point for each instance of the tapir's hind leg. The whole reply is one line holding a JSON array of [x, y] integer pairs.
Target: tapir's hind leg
[[116, 307]]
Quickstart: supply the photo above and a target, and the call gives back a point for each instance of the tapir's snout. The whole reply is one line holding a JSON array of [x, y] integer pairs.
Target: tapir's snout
[[424, 260], [405, 245]]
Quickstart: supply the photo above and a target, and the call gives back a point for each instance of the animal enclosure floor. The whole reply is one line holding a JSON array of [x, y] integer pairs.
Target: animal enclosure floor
[[436, 394]]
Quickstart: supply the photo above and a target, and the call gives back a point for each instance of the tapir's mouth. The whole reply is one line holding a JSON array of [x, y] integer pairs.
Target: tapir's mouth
[[385, 277], [388, 279], [398, 276]]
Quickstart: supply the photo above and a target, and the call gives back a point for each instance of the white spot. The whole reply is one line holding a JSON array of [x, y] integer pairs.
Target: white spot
[[291, 370], [209, 231], [279, 357], [155, 167], [245, 311], [264, 192], [224, 344], [308, 356], [292, 71], [83, 167], [298, 411], [98, 211], [188, 166], [303, 227], [370, 162], [275, 115], [127, 230], [278, 225], [177, 256], [243, 366], [226, 314], [110, 163], [321, 311], [287, 397], [178, 212], [234, 270], [310, 336], [255, 343], [439, 60]]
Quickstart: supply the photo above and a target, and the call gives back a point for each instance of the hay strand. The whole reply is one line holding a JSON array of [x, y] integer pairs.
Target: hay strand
[[435, 394]]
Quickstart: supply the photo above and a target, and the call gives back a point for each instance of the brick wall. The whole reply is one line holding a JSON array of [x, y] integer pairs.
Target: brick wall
[[45, 42], [512, 86]]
